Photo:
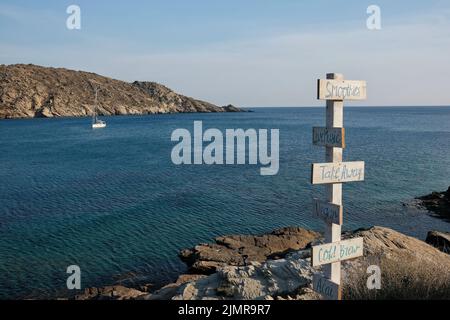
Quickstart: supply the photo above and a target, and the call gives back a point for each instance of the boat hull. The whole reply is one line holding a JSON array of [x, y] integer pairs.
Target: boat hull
[[98, 125]]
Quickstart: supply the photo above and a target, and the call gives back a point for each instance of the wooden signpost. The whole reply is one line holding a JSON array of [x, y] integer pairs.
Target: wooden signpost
[[333, 173]]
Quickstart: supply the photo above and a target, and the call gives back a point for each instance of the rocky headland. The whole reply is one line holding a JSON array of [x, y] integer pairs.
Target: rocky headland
[[277, 266], [28, 91]]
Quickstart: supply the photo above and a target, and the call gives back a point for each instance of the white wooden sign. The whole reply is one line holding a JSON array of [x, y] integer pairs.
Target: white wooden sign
[[337, 251], [323, 173], [327, 211], [331, 89], [329, 137], [327, 288]]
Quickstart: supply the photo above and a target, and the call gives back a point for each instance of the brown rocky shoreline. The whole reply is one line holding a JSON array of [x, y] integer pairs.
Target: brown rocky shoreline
[[29, 91], [277, 266]]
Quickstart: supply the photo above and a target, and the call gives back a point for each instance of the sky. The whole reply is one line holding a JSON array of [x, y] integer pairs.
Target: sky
[[246, 52]]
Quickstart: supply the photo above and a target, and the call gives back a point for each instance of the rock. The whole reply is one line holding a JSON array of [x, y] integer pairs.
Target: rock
[[273, 278], [231, 108], [34, 91], [440, 240], [170, 100], [255, 281], [110, 293], [383, 242], [410, 268], [438, 203], [170, 290], [146, 287], [43, 113], [239, 250], [305, 293]]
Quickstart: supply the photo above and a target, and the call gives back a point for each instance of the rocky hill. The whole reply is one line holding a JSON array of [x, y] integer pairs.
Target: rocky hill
[[28, 91]]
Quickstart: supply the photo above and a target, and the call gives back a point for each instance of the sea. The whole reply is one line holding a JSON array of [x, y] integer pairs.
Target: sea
[[112, 202]]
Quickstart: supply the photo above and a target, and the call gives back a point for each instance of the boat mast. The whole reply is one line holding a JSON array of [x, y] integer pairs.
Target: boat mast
[[94, 117]]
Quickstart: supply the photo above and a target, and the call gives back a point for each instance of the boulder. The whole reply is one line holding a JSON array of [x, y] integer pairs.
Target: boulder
[[410, 268], [440, 240], [231, 108], [438, 203], [169, 291], [110, 293], [273, 278], [239, 250]]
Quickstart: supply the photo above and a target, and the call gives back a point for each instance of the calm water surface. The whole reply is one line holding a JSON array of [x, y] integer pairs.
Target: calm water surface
[[112, 202]]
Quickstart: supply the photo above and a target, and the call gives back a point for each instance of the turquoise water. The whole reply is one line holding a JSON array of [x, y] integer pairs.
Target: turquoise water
[[112, 202]]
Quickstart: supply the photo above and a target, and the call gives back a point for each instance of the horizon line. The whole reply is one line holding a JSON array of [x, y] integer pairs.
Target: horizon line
[[350, 106]]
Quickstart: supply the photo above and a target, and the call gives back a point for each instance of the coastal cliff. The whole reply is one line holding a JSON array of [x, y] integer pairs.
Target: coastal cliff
[[28, 91]]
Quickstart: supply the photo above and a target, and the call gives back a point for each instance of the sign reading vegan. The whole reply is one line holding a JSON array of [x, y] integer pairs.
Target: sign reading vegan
[[341, 90], [332, 174], [329, 212], [329, 137]]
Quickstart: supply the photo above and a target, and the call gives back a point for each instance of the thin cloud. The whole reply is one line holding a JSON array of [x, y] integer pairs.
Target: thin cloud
[[405, 63], [26, 16]]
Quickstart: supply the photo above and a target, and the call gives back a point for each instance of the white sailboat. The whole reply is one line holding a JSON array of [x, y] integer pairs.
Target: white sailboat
[[97, 123]]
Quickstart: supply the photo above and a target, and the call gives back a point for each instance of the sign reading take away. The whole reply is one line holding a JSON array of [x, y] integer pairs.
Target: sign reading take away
[[330, 89], [336, 251], [337, 172]]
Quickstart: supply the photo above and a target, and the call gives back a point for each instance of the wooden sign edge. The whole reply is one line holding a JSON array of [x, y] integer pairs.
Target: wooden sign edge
[[343, 138], [343, 80], [341, 214], [343, 146], [312, 253], [318, 89]]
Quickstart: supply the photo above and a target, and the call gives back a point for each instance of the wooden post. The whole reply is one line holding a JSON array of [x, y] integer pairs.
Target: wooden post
[[334, 119], [333, 173]]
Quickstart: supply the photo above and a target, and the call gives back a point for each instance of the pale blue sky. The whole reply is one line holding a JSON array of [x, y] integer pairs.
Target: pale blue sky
[[248, 52]]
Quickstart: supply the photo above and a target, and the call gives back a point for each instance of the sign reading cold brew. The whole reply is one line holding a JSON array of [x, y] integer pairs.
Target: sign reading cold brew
[[336, 251]]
